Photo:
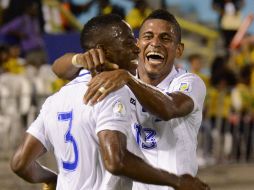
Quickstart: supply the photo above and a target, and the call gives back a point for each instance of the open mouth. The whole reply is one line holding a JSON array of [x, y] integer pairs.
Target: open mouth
[[155, 57]]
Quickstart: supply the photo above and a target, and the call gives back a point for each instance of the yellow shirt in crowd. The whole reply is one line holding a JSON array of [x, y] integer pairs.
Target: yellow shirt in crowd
[[135, 17], [218, 103]]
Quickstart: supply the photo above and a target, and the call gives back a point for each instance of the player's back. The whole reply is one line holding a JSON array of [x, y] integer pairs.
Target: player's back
[[71, 129], [74, 142]]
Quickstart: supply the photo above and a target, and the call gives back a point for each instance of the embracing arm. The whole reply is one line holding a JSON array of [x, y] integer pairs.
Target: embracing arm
[[68, 66], [119, 161], [164, 106], [24, 163], [63, 68]]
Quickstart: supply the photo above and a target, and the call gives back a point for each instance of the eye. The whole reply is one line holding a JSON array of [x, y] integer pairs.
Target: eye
[[167, 38], [147, 36]]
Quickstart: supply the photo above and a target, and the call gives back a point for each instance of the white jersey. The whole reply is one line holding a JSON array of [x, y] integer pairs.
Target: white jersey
[[171, 145], [69, 127]]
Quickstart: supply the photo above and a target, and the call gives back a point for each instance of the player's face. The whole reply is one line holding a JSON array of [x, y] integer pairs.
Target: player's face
[[123, 49], [159, 47]]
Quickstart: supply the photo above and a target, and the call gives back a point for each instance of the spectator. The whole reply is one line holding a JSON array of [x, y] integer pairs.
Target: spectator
[[243, 104], [15, 8], [105, 7], [136, 16], [26, 29], [219, 107], [196, 66], [229, 17], [14, 64], [15, 101]]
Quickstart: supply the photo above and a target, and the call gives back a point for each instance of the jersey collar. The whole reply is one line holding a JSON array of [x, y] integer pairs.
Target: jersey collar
[[165, 83]]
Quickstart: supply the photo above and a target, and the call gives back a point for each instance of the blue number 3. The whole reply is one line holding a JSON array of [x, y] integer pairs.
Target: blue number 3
[[67, 116]]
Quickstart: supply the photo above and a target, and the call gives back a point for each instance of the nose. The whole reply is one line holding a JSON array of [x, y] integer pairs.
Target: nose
[[155, 41]]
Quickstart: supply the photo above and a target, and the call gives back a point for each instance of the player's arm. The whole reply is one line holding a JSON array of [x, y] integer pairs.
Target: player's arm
[[165, 106], [119, 161], [69, 65], [152, 99], [24, 163], [64, 68]]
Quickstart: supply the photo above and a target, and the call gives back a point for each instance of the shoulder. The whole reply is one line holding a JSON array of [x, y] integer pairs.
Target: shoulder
[[121, 93], [187, 82], [48, 102], [191, 85], [119, 97], [188, 76]]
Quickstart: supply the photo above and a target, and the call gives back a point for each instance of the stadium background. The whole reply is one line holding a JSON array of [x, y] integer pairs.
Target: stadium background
[[226, 137]]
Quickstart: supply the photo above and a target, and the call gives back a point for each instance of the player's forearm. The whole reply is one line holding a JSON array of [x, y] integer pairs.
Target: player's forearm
[[119, 161], [152, 99], [36, 173], [63, 67], [138, 170]]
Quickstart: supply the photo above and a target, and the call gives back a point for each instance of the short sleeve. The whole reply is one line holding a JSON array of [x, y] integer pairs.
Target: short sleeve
[[113, 113], [38, 130], [191, 85]]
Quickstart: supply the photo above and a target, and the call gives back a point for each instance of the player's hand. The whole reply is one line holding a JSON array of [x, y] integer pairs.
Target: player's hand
[[188, 182], [49, 186], [104, 83], [94, 60]]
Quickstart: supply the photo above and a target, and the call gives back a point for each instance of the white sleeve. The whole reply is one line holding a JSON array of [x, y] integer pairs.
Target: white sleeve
[[113, 113], [38, 130], [191, 85]]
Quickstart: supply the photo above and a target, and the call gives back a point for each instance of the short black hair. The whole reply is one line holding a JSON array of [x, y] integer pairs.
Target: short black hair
[[92, 32], [167, 16]]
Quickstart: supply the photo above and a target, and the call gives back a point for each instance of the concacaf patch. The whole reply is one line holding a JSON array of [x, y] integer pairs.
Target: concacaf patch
[[185, 87], [119, 109]]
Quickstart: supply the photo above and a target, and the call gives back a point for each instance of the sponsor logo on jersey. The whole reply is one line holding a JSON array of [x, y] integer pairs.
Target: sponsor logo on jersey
[[133, 101], [119, 109], [185, 87]]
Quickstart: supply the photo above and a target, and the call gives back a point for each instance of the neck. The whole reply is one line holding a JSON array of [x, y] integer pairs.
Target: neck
[[148, 79]]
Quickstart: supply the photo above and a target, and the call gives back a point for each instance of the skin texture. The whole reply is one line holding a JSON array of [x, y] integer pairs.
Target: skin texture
[[119, 47], [116, 157], [157, 36], [119, 161]]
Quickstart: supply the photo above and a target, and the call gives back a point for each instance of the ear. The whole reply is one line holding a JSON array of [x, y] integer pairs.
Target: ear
[[179, 50], [137, 43]]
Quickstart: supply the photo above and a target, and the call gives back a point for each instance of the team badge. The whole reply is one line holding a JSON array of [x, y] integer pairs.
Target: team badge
[[185, 87], [119, 109]]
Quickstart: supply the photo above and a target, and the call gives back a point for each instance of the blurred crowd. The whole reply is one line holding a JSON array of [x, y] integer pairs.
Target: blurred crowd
[[26, 79]]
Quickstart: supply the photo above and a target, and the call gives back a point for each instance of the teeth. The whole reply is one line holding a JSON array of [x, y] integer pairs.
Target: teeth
[[155, 53]]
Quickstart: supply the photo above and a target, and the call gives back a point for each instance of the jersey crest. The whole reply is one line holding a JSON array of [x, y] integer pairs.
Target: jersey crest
[[119, 109], [185, 87]]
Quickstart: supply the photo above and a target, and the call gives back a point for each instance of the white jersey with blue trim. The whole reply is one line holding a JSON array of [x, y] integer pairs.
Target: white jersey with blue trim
[[68, 127], [171, 145]]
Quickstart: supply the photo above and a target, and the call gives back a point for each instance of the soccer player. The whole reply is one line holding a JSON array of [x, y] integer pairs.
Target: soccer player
[[168, 137], [83, 137]]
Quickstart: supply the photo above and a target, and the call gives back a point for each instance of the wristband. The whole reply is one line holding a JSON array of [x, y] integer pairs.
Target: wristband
[[74, 61]]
